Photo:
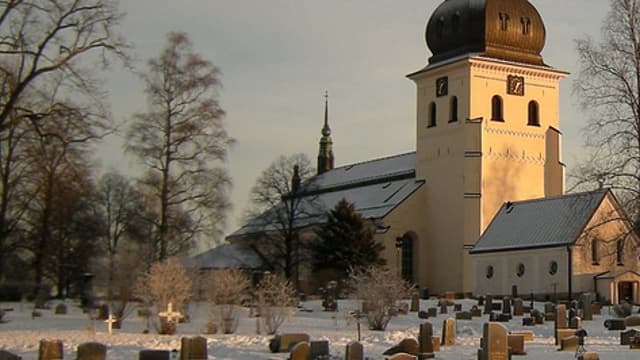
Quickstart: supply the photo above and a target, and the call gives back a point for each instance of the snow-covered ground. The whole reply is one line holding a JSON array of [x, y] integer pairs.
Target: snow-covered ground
[[21, 334]]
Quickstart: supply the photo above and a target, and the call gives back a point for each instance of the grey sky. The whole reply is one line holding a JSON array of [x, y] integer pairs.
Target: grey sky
[[279, 56]]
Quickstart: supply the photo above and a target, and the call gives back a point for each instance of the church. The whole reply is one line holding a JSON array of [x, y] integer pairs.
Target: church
[[480, 206]]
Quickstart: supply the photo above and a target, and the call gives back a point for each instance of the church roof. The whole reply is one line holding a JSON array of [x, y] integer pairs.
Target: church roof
[[227, 256], [375, 188], [539, 223]]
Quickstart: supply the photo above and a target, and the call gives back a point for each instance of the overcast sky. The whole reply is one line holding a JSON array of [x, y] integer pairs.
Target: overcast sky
[[277, 58]]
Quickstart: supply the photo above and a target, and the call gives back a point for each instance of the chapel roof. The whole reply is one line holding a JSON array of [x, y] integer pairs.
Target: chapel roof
[[539, 223], [227, 256], [510, 30], [374, 187]]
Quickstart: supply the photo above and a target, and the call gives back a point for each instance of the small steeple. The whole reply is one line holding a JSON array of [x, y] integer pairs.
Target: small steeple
[[325, 155]]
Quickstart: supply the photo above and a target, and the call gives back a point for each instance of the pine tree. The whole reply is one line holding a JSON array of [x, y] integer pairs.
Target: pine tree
[[345, 242]]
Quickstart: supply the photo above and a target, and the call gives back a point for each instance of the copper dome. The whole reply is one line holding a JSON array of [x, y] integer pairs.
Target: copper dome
[[504, 29]]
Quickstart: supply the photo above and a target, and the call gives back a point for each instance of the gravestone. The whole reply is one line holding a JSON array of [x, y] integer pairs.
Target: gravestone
[[537, 316], [457, 307], [443, 306], [488, 305], [632, 320], [448, 332], [285, 342], [415, 302], [481, 301], [561, 317], [570, 343], [193, 348], [154, 355], [92, 351], [432, 312], [300, 351], [562, 334], [516, 343], [103, 312], [587, 309], [61, 309], [528, 321], [318, 349], [475, 311], [589, 356], [494, 343], [403, 309], [408, 346], [425, 341], [549, 307], [518, 307], [573, 313], [354, 351], [423, 314], [626, 337], [464, 315], [506, 306], [615, 324], [575, 322], [503, 318], [402, 356], [50, 350], [5, 355]]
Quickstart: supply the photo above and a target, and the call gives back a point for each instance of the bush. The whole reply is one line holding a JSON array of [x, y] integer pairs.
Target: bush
[[276, 298], [226, 291]]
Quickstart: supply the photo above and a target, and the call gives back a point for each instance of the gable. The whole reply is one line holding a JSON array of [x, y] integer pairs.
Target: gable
[[539, 223]]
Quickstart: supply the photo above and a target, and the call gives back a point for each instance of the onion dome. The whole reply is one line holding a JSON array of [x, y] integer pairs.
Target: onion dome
[[509, 30]]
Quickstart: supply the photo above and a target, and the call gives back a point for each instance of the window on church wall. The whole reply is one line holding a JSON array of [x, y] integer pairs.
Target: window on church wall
[[526, 25], [407, 258], [553, 267], [504, 21], [520, 270], [431, 122], [534, 114], [454, 109], [455, 22], [619, 252], [440, 28], [489, 272], [595, 252], [496, 108]]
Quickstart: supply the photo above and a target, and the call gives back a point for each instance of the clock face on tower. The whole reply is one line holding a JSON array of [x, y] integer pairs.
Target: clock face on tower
[[442, 86], [515, 85]]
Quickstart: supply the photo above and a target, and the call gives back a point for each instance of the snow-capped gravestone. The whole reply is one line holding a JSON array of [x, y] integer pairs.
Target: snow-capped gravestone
[[61, 309], [448, 332], [285, 342], [50, 350], [154, 355], [193, 348], [425, 341], [92, 351], [5, 355], [318, 349], [300, 351], [354, 351], [494, 344]]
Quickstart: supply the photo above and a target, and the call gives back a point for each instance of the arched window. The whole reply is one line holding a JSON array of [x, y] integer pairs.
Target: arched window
[[496, 108], [534, 114], [595, 252], [455, 22], [553, 267], [407, 258], [440, 27], [520, 270], [432, 115], [489, 272], [619, 252], [454, 109]]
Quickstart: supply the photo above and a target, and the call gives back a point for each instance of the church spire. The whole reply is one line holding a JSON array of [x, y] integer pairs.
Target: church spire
[[325, 155]]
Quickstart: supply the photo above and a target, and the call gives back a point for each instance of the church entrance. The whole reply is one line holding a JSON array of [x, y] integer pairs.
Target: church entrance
[[625, 291]]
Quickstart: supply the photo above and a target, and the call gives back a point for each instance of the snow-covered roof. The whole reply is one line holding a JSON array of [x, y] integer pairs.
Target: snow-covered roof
[[539, 223], [227, 256], [374, 187]]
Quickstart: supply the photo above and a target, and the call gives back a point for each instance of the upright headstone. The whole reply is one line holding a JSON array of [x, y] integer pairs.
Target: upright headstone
[[92, 351], [587, 310], [402, 356], [318, 349], [488, 305], [506, 306], [5, 355], [354, 351], [50, 350], [495, 342], [443, 306], [193, 348], [518, 307], [425, 341], [549, 307], [154, 355], [408, 346], [448, 332], [415, 302], [300, 351], [481, 301], [561, 317], [61, 309]]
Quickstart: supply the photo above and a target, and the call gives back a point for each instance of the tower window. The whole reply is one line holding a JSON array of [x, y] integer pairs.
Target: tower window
[[595, 253], [520, 270], [534, 114], [504, 21], [454, 109], [455, 22], [432, 115], [496, 108], [619, 252], [440, 28], [526, 25]]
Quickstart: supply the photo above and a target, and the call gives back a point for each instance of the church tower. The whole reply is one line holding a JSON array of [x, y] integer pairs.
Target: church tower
[[325, 153], [487, 127]]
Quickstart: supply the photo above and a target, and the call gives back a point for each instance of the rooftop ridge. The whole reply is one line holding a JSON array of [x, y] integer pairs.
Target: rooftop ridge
[[558, 197], [372, 160], [360, 182]]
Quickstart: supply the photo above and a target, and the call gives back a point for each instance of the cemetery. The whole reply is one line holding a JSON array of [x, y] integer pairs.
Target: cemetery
[[579, 329]]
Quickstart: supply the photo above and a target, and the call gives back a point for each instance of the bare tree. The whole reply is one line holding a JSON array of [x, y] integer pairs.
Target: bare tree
[[608, 87], [181, 141], [277, 206], [227, 290], [276, 299]]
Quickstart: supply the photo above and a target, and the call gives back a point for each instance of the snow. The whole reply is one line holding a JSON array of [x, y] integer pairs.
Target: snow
[[21, 334]]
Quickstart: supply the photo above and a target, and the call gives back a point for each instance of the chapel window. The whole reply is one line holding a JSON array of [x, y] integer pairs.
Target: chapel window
[[520, 270], [496, 108], [619, 252], [504, 21], [455, 22], [595, 252], [534, 114], [440, 28], [489, 272], [553, 267], [407, 258], [526, 25], [432, 115], [454, 109]]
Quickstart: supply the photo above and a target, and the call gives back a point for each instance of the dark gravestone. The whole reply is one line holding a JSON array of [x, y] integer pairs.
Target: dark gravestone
[[103, 312], [481, 301], [5, 355], [504, 318], [61, 309], [475, 311], [518, 307], [408, 346], [626, 337], [615, 324], [488, 305], [549, 307], [154, 355], [285, 342], [587, 310], [50, 350], [433, 312], [92, 351], [318, 350], [415, 302], [423, 315], [457, 307], [425, 341], [463, 315], [354, 351], [300, 351], [506, 306], [528, 321], [193, 348], [496, 306], [443, 306]]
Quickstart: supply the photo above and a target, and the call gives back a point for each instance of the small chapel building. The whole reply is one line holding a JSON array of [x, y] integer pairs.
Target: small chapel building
[[480, 206]]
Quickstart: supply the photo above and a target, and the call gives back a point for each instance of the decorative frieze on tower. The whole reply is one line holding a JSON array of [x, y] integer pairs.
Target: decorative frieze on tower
[[325, 153], [487, 127]]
